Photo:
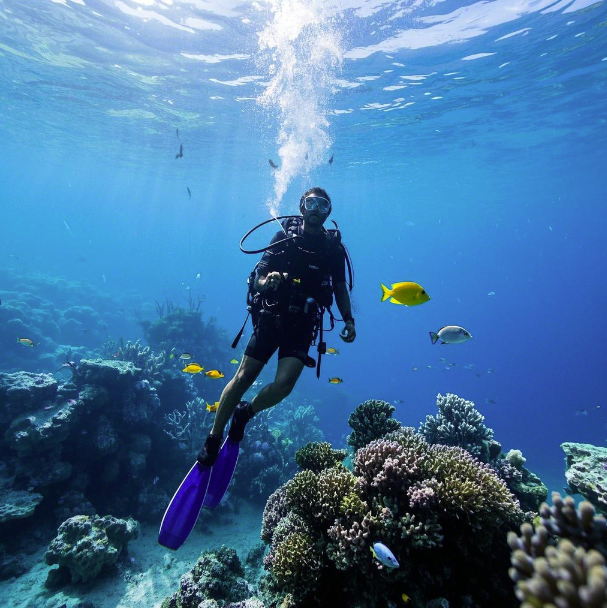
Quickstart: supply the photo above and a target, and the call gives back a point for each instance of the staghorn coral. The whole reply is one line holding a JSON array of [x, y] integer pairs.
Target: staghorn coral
[[371, 420], [316, 456], [570, 573], [458, 423]]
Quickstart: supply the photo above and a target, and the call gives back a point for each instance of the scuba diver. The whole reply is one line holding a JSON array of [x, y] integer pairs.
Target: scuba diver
[[293, 281], [290, 288]]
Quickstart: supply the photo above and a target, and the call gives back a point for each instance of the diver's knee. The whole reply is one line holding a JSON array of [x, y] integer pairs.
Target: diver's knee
[[283, 388], [244, 379]]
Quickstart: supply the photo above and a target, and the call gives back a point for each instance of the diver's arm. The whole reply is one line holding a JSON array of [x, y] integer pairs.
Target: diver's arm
[[342, 299]]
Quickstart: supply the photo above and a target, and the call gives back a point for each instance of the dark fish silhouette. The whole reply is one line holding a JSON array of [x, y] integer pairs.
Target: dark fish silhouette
[[177, 133], [331, 160], [189, 192], [180, 153], [272, 164]]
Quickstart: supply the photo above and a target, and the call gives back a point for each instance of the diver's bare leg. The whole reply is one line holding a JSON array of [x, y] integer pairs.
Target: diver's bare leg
[[247, 372], [287, 373]]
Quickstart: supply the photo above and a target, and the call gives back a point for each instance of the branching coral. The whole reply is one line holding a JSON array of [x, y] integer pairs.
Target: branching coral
[[458, 423], [316, 456], [371, 420], [190, 426], [142, 357], [570, 573]]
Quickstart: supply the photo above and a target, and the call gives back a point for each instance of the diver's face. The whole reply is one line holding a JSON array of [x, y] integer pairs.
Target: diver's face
[[316, 210], [314, 217]]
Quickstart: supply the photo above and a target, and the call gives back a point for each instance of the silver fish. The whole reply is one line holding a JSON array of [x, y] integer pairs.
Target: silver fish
[[450, 334]]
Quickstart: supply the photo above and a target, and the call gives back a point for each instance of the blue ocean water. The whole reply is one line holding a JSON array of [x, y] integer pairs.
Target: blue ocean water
[[468, 144]]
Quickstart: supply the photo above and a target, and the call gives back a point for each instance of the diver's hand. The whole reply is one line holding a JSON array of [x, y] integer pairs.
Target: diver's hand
[[273, 280], [348, 333]]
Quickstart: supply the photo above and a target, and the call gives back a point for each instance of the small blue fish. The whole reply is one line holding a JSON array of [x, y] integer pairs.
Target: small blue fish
[[384, 555]]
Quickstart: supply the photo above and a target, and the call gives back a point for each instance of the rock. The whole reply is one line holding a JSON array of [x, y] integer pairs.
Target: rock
[[57, 578], [86, 544], [10, 566], [21, 391], [18, 504], [218, 576], [585, 472], [108, 373], [42, 429]]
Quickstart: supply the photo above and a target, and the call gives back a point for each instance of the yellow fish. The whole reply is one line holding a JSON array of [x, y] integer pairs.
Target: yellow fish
[[407, 293], [213, 373], [405, 597], [25, 341], [193, 368], [332, 351], [335, 380], [234, 361], [212, 407]]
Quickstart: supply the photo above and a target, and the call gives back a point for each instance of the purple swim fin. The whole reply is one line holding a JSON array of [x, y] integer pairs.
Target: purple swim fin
[[183, 510], [221, 473]]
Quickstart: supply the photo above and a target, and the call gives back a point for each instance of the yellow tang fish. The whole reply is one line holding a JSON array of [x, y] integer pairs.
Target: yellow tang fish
[[407, 293], [25, 341], [214, 373], [335, 380], [332, 351], [193, 368], [234, 361], [212, 407], [405, 597]]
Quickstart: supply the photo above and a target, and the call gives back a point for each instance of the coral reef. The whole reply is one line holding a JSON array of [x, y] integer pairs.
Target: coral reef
[[561, 562], [102, 424], [586, 473], [316, 456], [458, 423], [217, 580], [141, 357], [371, 420], [84, 545], [524, 484], [190, 426], [185, 330], [58, 315], [440, 511]]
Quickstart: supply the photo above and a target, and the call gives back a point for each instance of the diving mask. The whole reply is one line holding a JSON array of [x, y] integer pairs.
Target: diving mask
[[320, 203]]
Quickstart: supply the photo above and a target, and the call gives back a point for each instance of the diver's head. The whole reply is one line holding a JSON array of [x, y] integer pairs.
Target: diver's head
[[315, 206]]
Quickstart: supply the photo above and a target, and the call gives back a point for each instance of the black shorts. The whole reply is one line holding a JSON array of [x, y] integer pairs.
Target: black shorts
[[292, 336]]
